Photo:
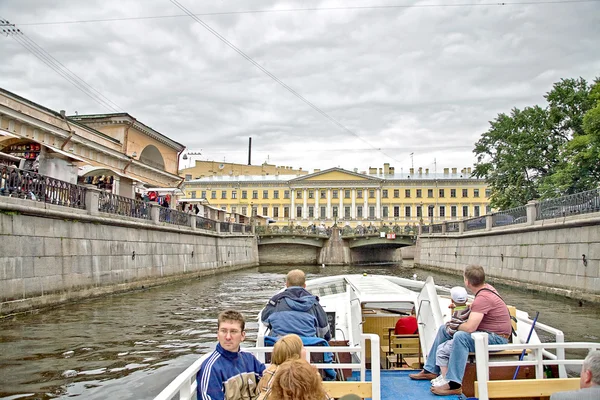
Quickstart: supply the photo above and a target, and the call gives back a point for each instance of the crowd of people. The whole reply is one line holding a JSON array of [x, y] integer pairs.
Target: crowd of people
[[294, 313]]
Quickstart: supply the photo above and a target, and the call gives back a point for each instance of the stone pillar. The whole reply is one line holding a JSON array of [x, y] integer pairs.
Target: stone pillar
[[420, 231], [328, 211], [461, 227], [531, 209], [305, 208], [193, 222], [341, 210], [317, 210], [230, 228], [489, 221], [365, 203], [293, 206], [218, 226], [92, 198], [155, 212], [378, 203], [253, 229], [353, 209], [444, 227]]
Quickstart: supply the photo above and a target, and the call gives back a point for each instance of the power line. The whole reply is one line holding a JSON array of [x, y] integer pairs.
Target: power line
[[275, 78], [30, 45], [317, 9]]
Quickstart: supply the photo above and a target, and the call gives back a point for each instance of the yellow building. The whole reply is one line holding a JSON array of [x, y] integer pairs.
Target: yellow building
[[346, 197], [203, 169]]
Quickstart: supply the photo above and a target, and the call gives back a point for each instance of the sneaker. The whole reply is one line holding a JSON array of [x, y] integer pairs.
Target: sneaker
[[440, 382], [436, 379]]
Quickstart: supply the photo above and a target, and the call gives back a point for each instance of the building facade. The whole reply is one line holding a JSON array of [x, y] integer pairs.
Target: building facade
[[345, 197]]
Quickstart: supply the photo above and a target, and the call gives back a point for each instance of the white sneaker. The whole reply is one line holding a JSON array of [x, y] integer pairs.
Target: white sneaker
[[440, 382], [436, 379]]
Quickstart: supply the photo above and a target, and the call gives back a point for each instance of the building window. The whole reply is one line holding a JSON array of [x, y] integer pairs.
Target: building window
[[275, 194], [488, 192], [359, 194], [335, 211], [430, 193], [224, 194], [244, 194], [465, 211], [442, 211], [311, 194], [407, 211], [323, 212], [299, 212], [452, 192], [465, 193], [298, 194], [419, 211], [233, 209], [233, 194], [286, 194], [397, 211], [453, 211], [193, 195], [475, 192], [265, 194], [224, 208], [371, 193], [442, 193], [265, 211], [335, 194], [384, 193], [323, 194], [188, 177], [347, 212], [286, 212], [275, 212], [371, 212], [203, 194], [430, 211], [347, 194], [359, 213], [419, 193], [311, 212], [396, 193], [255, 194], [213, 194], [244, 210], [476, 211], [385, 212]]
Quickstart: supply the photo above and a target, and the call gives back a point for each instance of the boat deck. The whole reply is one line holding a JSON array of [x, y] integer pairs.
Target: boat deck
[[396, 385]]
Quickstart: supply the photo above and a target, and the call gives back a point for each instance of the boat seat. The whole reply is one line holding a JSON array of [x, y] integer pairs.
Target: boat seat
[[338, 389], [523, 388], [404, 351]]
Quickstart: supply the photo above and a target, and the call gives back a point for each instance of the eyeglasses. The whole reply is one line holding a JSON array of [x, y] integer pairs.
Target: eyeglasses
[[232, 332]]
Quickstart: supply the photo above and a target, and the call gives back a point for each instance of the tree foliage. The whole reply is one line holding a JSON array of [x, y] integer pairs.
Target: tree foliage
[[543, 152]]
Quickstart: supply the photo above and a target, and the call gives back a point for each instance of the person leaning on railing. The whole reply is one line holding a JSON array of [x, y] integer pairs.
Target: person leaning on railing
[[589, 382]]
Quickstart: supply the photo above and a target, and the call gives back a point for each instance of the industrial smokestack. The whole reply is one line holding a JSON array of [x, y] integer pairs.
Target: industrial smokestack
[[249, 151]]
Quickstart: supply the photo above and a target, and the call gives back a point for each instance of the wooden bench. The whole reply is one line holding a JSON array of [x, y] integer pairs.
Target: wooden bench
[[522, 388], [338, 389]]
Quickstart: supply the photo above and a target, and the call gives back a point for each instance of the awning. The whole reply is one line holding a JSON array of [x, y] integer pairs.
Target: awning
[[10, 157], [173, 191], [87, 169], [64, 153]]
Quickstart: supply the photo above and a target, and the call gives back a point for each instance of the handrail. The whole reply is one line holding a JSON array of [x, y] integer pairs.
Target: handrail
[[535, 358], [184, 385]]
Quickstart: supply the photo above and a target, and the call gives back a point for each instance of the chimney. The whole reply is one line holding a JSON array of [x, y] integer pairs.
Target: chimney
[[386, 168], [453, 171], [63, 113], [420, 171], [317, 170], [391, 171], [372, 171], [380, 171], [469, 170], [446, 171], [412, 171], [426, 171]]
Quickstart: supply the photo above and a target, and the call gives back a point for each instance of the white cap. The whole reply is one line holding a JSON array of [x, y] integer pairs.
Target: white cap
[[458, 294]]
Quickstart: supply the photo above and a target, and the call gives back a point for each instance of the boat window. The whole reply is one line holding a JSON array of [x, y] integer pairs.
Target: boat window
[[400, 308], [326, 290]]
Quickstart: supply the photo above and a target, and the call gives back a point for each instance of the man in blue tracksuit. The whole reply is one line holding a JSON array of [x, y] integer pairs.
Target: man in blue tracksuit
[[295, 310], [228, 373]]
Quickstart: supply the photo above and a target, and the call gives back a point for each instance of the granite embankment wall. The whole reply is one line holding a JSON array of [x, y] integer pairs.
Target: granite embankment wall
[[50, 255], [560, 256]]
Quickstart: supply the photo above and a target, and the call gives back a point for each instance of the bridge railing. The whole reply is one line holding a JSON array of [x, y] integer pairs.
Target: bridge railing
[[578, 203], [293, 230], [120, 205]]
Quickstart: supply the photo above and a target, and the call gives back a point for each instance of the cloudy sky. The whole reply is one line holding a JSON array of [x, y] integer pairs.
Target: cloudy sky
[[385, 78]]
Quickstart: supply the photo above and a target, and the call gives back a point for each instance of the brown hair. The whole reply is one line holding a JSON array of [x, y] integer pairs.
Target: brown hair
[[231, 316], [475, 275], [287, 348], [297, 380], [295, 277]]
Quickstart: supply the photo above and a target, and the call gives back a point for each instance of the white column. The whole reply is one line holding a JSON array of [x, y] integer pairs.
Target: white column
[[292, 207], [317, 211], [378, 204], [341, 209], [305, 208], [366, 203], [353, 209], [329, 204]]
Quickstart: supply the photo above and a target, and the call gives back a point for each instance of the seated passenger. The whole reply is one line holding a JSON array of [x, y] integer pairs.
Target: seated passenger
[[295, 310], [297, 380], [287, 348]]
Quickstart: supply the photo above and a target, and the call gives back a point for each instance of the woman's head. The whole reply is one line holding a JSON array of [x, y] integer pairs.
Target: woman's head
[[287, 348], [297, 380]]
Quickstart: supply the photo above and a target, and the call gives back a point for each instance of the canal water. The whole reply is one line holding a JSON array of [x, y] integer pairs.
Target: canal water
[[129, 346]]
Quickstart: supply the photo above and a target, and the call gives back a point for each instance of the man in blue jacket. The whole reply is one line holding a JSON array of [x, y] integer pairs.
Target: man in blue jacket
[[295, 310], [229, 373]]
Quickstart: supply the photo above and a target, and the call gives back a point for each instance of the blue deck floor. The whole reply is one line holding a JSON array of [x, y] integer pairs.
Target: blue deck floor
[[396, 385]]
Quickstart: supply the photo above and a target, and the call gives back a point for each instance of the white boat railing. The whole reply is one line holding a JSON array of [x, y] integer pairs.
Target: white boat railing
[[184, 386], [538, 356]]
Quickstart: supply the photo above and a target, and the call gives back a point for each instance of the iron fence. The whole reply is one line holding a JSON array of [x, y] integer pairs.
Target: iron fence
[[205, 223], [225, 226], [578, 203], [473, 224], [425, 229], [512, 216], [437, 228], [453, 227], [23, 184], [173, 217], [115, 204], [238, 227]]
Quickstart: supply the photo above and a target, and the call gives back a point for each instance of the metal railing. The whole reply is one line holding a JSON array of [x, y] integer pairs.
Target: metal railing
[[225, 226], [578, 203], [205, 223], [437, 228], [453, 227], [512, 216], [294, 230], [115, 204], [184, 386], [239, 228], [15, 182], [425, 229], [473, 224], [173, 217]]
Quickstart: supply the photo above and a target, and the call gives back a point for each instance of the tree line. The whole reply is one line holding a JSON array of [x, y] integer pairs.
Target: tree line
[[543, 152]]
